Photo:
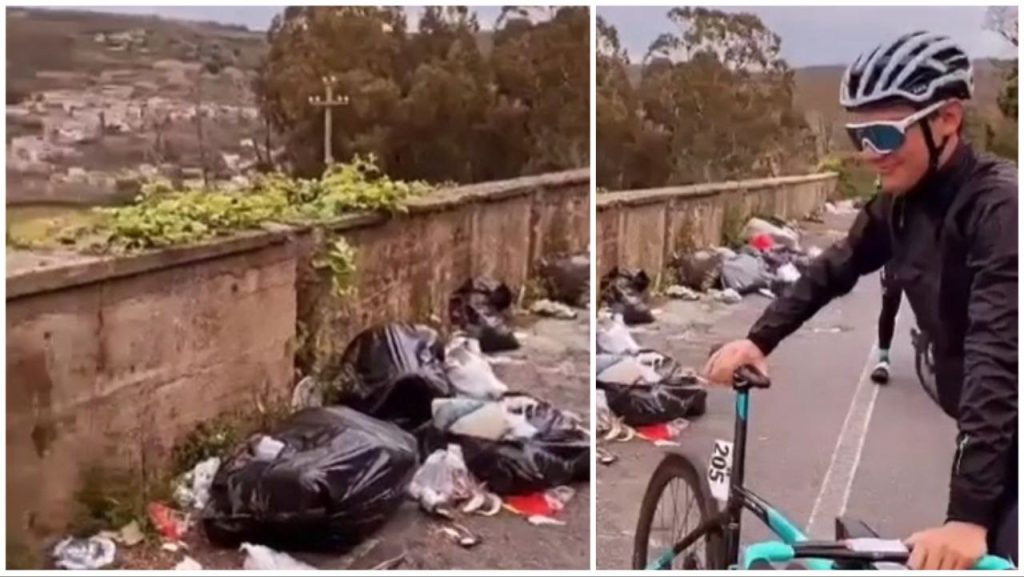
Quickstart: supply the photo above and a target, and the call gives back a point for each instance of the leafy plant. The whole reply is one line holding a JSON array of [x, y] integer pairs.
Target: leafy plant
[[339, 259], [162, 215]]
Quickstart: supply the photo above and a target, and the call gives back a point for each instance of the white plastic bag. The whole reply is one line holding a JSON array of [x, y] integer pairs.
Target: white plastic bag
[[84, 554], [443, 479], [613, 337], [470, 373], [193, 489], [260, 558]]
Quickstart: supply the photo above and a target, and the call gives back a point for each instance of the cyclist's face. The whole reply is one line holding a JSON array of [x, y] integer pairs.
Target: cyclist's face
[[901, 169]]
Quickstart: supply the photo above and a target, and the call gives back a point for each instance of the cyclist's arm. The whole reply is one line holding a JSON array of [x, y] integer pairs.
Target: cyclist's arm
[[834, 273], [988, 401]]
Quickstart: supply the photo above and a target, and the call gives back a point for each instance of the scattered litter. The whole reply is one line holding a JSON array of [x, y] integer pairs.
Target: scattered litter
[[841, 207], [541, 507], [782, 235], [131, 535], [552, 309], [681, 292], [483, 503], [192, 490], [442, 480], [267, 448], [469, 371], [604, 456], [814, 252], [762, 242], [613, 337], [728, 296], [504, 360], [171, 524], [173, 546], [788, 273], [188, 564], [767, 293], [262, 558], [308, 393], [84, 554], [479, 307], [389, 564], [392, 372], [624, 292], [458, 534], [829, 330], [663, 434], [568, 279], [340, 476]]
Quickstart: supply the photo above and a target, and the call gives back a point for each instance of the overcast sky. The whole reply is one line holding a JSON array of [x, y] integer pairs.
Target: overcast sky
[[813, 35], [254, 17]]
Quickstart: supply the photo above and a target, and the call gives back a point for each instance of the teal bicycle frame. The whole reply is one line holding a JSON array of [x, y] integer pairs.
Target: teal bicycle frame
[[794, 543]]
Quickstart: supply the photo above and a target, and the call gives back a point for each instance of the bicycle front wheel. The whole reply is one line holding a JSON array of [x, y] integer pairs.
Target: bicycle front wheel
[[678, 499]]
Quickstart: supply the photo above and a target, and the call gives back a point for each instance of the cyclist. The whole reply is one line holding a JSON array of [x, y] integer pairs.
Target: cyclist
[[891, 297], [946, 224]]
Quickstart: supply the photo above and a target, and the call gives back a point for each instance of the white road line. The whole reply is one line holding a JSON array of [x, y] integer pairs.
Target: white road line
[[835, 488]]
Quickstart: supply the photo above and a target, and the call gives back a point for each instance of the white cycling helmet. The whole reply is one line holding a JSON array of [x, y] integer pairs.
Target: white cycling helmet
[[919, 67]]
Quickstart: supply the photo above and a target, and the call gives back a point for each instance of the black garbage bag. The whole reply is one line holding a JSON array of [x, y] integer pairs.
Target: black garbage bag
[[558, 454], [479, 307], [641, 404], [624, 292], [568, 279], [336, 477], [392, 372]]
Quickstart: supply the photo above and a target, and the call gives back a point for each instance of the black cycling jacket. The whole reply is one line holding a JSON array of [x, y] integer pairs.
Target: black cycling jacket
[[951, 244]]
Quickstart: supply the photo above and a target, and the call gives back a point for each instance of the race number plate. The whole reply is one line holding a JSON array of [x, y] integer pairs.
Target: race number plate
[[720, 469]]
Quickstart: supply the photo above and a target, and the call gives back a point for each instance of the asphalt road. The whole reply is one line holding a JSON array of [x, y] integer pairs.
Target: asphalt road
[[823, 441]]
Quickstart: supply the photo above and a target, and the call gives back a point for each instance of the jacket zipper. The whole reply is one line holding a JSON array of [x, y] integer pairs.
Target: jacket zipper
[[960, 454]]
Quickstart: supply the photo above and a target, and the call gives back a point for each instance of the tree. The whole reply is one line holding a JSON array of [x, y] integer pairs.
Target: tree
[[714, 101]]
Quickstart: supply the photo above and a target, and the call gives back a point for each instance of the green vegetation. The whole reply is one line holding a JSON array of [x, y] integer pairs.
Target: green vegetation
[[856, 180], [338, 259], [164, 216]]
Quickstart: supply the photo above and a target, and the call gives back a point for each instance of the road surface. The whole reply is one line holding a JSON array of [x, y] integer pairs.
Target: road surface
[[823, 441]]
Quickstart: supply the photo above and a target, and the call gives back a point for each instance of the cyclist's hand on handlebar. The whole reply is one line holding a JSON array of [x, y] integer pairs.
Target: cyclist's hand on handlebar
[[954, 546], [721, 366]]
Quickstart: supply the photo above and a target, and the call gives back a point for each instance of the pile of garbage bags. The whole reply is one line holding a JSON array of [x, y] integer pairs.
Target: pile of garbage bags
[[400, 412], [769, 263], [642, 386], [624, 292]]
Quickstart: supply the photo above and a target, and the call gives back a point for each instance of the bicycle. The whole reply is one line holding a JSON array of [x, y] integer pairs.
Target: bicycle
[[924, 362], [720, 529]]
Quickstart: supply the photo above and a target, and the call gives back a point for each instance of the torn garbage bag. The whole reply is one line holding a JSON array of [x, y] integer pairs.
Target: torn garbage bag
[[337, 477], [568, 279], [624, 292], [479, 308], [613, 337], [513, 446], [392, 372], [642, 404]]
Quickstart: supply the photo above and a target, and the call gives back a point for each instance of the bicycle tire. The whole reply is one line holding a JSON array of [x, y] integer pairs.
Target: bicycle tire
[[925, 371], [677, 466]]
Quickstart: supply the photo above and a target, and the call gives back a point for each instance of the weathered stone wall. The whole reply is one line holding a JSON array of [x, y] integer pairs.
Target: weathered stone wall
[[646, 228], [111, 361]]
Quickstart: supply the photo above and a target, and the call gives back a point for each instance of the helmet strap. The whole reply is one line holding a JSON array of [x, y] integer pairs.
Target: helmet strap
[[934, 152]]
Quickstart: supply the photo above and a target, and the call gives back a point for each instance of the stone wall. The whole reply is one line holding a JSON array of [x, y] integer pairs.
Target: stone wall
[[646, 228], [111, 361]]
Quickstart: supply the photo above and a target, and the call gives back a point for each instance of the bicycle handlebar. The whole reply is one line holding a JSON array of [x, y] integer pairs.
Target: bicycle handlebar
[[747, 376], [778, 552]]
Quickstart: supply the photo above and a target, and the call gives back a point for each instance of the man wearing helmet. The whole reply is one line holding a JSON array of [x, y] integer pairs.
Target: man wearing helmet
[[945, 226]]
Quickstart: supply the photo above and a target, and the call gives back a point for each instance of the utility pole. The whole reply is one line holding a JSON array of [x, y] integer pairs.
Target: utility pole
[[328, 102]]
